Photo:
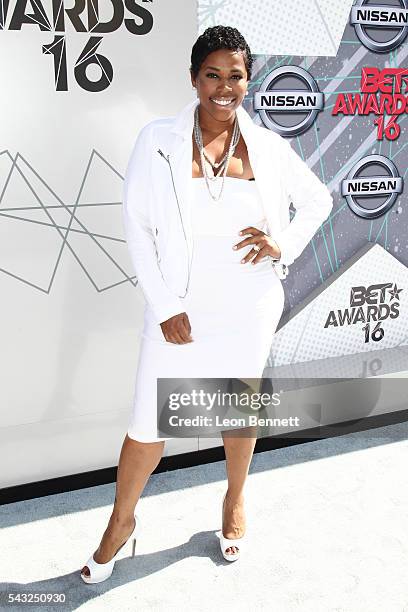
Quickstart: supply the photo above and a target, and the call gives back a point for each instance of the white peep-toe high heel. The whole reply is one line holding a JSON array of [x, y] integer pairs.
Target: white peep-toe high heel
[[227, 543], [101, 571]]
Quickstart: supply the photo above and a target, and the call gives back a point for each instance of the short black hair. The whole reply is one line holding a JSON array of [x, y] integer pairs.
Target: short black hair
[[219, 37]]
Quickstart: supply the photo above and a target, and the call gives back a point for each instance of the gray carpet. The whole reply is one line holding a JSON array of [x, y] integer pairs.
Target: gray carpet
[[327, 531]]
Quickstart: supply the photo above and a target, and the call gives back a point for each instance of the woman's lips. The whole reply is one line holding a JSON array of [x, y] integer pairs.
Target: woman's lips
[[223, 105]]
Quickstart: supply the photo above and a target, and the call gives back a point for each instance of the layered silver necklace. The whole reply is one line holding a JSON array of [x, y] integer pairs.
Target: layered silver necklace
[[222, 165]]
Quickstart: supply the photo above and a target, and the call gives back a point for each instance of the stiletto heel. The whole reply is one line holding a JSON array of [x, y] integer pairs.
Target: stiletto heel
[[98, 572], [227, 543]]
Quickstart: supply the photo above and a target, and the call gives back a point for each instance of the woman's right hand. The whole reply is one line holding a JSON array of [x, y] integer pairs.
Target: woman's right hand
[[177, 329]]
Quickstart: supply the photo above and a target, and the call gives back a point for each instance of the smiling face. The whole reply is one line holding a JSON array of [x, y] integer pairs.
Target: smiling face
[[221, 83]]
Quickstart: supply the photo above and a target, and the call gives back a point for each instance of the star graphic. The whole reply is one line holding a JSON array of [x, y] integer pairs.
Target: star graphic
[[394, 292]]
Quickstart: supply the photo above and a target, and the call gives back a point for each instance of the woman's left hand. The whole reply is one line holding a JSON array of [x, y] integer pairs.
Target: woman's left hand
[[265, 245]]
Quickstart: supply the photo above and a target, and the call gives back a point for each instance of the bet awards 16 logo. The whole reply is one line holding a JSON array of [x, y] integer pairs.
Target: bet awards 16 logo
[[370, 305], [83, 17]]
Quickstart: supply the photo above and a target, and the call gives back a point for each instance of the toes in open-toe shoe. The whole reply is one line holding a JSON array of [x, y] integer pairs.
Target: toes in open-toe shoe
[[226, 543], [98, 572]]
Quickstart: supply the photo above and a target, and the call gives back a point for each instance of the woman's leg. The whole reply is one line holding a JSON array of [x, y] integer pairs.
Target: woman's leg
[[238, 453], [136, 462]]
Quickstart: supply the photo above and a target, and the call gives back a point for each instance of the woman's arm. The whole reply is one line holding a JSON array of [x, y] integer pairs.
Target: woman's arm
[[311, 199], [137, 197]]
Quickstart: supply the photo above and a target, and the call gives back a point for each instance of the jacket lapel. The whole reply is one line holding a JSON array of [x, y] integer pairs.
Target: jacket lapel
[[181, 156]]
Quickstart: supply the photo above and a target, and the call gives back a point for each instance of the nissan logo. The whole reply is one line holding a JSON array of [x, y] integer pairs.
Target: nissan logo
[[297, 104], [388, 24], [372, 187]]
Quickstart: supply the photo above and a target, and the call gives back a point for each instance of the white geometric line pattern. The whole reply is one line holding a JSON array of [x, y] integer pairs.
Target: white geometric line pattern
[[47, 224]]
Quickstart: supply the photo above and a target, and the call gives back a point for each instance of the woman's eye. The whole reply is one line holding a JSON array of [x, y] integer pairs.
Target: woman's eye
[[237, 76]]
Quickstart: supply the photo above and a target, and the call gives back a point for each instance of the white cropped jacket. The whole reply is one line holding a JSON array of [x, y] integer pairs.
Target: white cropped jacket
[[157, 194]]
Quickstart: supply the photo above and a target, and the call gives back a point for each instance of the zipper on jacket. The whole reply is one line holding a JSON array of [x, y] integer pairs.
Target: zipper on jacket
[[167, 158]]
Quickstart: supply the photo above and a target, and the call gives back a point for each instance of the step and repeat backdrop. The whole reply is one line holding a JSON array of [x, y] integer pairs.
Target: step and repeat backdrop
[[78, 83], [343, 108]]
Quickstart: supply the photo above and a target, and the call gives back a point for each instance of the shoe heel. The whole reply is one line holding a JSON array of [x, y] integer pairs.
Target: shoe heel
[[101, 571]]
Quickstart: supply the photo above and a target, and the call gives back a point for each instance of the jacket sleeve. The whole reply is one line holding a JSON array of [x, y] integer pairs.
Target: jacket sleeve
[[311, 199], [137, 198]]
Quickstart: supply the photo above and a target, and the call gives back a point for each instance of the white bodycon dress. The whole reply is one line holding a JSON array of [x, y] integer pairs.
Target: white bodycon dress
[[233, 308]]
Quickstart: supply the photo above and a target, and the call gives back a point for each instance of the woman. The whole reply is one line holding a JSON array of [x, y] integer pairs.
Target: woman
[[200, 189]]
